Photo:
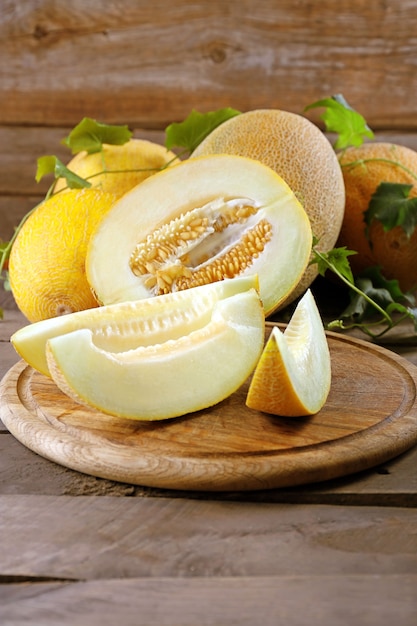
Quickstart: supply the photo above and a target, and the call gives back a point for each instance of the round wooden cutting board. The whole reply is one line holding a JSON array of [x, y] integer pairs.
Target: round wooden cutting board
[[370, 417]]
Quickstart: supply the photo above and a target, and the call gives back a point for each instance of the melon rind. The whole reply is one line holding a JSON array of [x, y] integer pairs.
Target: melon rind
[[293, 375]]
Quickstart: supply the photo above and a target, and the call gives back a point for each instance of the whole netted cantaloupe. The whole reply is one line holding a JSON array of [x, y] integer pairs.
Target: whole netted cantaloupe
[[302, 155], [364, 168]]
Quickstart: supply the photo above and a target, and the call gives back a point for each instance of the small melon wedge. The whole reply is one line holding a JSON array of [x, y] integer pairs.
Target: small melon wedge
[[168, 379], [202, 220], [293, 375], [129, 324]]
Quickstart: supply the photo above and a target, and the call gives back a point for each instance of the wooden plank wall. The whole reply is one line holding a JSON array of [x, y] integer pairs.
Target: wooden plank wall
[[147, 64]]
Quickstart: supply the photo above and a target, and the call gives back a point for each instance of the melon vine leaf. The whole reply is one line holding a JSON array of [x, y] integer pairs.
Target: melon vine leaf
[[392, 285], [340, 118], [50, 164], [359, 307], [412, 313], [392, 206], [372, 296], [90, 135], [191, 132], [4, 275], [335, 259]]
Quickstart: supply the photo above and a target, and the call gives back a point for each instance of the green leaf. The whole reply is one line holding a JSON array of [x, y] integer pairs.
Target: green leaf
[[359, 307], [191, 132], [412, 314], [90, 135], [385, 292], [371, 295], [392, 285], [340, 118], [6, 283], [391, 205], [335, 260], [52, 165]]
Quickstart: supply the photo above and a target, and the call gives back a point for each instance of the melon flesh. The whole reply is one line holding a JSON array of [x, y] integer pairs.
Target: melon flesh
[[293, 375], [124, 326], [167, 379], [235, 198]]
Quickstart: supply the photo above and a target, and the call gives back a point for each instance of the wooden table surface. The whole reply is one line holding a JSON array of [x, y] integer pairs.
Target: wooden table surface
[[76, 549]]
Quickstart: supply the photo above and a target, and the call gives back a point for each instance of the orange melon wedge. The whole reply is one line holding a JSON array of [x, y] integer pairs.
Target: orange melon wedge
[[293, 375]]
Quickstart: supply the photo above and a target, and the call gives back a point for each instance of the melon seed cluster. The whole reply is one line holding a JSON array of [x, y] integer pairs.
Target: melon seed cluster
[[165, 257]]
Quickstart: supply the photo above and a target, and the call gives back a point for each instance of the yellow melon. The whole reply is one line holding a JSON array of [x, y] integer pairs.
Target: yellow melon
[[47, 261], [301, 154], [197, 222], [118, 168]]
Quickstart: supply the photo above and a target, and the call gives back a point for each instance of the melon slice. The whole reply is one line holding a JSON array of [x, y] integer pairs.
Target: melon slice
[[164, 379], [203, 220], [127, 325], [293, 375]]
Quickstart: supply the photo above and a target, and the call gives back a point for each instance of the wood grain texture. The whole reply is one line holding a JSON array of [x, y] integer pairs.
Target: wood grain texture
[[144, 64], [102, 538], [187, 558], [244, 601], [23, 472], [22, 146], [369, 418]]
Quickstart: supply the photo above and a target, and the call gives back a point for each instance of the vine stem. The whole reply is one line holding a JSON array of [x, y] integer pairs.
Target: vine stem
[[352, 286], [382, 160], [5, 252]]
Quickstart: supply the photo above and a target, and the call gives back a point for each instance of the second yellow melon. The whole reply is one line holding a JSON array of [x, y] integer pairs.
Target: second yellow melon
[[118, 168]]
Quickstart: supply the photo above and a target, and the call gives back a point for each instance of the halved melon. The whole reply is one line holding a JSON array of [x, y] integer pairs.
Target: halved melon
[[128, 325], [201, 221], [293, 375], [164, 379]]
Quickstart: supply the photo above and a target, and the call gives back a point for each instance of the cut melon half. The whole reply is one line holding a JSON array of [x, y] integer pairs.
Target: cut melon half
[[201, 221], [128, 325], [293, 375], [168, 379]]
